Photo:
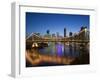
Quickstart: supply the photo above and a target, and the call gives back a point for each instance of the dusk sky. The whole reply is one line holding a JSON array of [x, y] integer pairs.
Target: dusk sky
[[41, 22]]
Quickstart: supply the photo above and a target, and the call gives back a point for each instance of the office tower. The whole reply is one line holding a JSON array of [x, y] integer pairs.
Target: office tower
[[64, 32], [48, 31]]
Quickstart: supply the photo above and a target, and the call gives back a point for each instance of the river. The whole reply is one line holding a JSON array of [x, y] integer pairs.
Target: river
[[72, 50]]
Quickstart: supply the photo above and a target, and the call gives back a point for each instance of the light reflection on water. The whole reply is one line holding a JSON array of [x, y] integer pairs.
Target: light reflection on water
[[62, 49]]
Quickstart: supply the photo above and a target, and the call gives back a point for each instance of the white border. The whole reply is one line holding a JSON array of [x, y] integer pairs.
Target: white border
[[20, 69]]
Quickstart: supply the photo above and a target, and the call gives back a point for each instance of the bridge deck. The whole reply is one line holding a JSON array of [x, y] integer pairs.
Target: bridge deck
[[57, 41]]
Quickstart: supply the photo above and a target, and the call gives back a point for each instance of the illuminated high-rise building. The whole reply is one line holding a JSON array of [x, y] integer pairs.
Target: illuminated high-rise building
[[64, 32], [48, 31]]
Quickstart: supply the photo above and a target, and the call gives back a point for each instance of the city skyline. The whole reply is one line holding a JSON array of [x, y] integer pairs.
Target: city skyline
[[41, 22]]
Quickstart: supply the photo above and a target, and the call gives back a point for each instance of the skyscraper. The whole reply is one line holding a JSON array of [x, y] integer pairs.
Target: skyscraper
[[48, 31], [57, 34], [64, 32]]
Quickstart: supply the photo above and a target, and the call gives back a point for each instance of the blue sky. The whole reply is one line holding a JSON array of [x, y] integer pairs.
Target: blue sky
[[41, 22]]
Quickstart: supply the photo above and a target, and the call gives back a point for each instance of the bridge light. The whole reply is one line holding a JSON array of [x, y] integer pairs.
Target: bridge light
[[33, 45], [36, 45]]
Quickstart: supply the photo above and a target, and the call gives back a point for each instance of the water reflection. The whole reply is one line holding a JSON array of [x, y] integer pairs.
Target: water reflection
[[58, 53], [63, 49]]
